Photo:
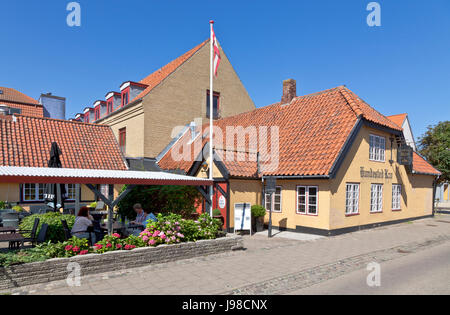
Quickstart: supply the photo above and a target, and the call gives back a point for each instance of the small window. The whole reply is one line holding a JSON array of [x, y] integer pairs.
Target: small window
[[86, 117], [274, 203], [352, 199], [307, 200], [396, 197], [71, 191], [97, 113], [216, 100], [377, 148], [376, 198], [33, 192], [110, 106], [125, 99], [123, 140]]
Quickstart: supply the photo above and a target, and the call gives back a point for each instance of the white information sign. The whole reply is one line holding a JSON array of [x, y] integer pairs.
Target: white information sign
[[242, 217], [222, 202]]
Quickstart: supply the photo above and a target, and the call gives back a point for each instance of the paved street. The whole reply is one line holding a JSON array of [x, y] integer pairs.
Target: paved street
[[424, 272], [413, 257]]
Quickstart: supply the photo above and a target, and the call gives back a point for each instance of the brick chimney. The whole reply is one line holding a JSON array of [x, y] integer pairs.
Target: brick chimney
[[289, 91]]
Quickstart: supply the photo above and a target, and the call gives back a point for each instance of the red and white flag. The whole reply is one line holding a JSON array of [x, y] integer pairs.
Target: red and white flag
[[216, 51]]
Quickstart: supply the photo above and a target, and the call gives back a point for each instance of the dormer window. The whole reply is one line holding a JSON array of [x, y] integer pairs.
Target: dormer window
[[86, 118], [97, 113], [110, 106], [125, 99]]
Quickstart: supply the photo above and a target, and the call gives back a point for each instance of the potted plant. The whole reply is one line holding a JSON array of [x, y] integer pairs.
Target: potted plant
[[218, 215], [258, 213]]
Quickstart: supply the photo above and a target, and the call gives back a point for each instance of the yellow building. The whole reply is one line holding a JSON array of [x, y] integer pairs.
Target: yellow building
[[336, 161]]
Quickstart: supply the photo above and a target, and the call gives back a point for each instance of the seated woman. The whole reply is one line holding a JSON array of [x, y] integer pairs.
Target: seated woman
[[149, 216], [82, 222]]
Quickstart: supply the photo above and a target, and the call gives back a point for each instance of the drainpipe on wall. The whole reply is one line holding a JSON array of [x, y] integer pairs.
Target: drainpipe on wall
[[434, 193]]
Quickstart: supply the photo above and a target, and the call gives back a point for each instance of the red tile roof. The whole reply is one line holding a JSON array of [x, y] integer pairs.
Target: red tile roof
[[16, 99], [312, 131], [421, 166], [398, 119], [158, 76], [26, 141]]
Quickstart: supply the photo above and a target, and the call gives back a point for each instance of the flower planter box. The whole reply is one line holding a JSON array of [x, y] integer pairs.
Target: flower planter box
[[56, 269]]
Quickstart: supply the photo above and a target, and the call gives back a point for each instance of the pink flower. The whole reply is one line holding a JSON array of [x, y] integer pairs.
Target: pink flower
[[118, 246], [99, 246], [180, 235], [151, 242], [109, 245], [116, 235], [68, 247], [173, 238], [76, 249], [132, 246], [145, 238], [156, 234], [84, 252]]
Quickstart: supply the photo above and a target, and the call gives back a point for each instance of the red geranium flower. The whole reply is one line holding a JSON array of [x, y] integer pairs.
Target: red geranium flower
[[76, 249], [84, 252], [68, 247]]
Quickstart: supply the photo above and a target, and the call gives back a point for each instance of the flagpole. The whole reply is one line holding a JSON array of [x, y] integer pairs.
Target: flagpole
[[211, 113]]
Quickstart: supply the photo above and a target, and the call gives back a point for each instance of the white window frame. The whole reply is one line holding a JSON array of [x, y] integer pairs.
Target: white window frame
[[72, 187], [377, 148], [36, 192], [396, 197], [376, 198], [352, 198], [272, 202], [307, 204]]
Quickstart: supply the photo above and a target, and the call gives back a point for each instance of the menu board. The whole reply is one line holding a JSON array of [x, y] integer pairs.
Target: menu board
[[242, 217]]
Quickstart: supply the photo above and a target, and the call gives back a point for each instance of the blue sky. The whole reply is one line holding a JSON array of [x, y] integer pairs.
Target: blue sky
[[402, 66]]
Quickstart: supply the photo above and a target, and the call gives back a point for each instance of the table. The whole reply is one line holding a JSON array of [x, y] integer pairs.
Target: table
[[117, 227], [12, 238], [7, 230]]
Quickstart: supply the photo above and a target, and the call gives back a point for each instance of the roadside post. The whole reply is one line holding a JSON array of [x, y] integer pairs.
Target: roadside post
[[271, 183]]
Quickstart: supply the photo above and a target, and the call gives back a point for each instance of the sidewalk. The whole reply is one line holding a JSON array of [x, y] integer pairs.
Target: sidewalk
[[264, 261]]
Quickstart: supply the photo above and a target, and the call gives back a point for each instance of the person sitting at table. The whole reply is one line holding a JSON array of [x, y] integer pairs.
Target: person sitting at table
[[149, 216], [82, 223], [140, 214]]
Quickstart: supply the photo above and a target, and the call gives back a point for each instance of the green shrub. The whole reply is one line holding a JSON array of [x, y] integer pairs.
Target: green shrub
[[21, 257], [162, 199], [18, 209], [217, 213], [55, 232], [258, 211], [73, 247], [4, 205]]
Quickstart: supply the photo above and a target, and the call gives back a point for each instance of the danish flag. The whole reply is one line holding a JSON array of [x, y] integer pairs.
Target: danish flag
[[216, 51]]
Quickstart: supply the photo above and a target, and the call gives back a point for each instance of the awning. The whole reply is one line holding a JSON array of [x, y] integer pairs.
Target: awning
[[42, 175]]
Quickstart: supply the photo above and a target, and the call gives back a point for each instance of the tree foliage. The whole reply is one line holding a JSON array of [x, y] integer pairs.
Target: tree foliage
[[434, 145], [164, 199]]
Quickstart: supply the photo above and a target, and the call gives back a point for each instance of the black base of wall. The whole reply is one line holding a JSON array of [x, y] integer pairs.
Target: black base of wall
[[322, 232]]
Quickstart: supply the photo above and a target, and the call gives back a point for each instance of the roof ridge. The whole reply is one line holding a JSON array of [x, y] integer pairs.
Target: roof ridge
[[351, 102], [60, 120]]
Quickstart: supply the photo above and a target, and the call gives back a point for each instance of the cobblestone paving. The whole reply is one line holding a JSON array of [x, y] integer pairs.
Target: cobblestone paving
[[274, 266], [315, 275]]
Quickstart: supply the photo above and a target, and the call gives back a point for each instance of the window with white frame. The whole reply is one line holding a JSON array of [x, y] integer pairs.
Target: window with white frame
[[71, 191], [33, 192], [352, 199], [307, 198], [396, 196], [275, 201], [376, 198], [377, 148]]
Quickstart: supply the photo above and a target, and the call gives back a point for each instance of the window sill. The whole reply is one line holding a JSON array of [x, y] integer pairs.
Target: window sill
[[308, 214], [351, 214], [375, 212], [396, 210], [377, 161]]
